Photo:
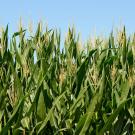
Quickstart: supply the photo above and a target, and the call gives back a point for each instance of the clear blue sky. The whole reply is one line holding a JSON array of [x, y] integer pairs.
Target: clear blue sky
[[86, 15]]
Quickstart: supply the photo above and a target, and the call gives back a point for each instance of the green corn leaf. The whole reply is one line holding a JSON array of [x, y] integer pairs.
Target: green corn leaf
[[82, 72], [112, 118], [14, 114]]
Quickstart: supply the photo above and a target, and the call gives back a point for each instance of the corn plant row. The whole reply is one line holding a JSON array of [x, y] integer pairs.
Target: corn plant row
[[47, 88]]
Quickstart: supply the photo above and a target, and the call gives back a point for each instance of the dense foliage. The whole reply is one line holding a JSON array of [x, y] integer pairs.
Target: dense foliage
[[49, 89]]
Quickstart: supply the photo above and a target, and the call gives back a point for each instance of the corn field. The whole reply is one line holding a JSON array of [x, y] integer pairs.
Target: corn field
[[51, 89]]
